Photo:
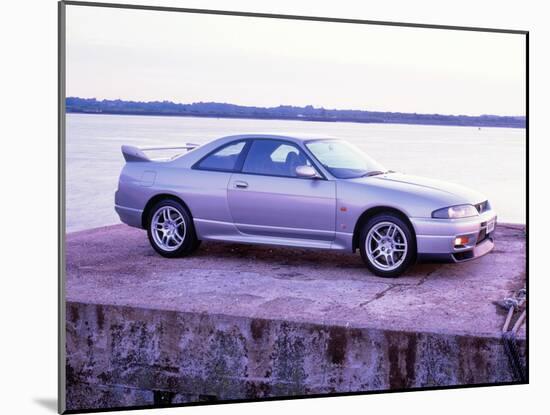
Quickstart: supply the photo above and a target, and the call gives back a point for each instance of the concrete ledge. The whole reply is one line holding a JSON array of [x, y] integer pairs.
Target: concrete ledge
[[241, 322]]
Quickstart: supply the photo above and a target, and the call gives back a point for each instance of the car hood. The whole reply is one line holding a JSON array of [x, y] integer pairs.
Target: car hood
[[449, 192]]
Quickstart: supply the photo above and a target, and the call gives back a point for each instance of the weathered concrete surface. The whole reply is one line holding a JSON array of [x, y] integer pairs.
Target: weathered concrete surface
[[237, 321]]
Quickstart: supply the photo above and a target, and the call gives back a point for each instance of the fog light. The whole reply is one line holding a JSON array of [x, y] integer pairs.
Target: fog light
[[461, 240]]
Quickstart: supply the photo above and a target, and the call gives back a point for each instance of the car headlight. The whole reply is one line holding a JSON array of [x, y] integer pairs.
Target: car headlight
[[455, 212]]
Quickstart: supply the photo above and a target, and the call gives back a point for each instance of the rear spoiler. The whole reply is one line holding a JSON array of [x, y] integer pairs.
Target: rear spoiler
[[132, 153]]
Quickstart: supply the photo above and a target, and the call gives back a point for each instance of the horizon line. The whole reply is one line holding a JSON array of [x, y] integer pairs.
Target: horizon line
[[292, 106]]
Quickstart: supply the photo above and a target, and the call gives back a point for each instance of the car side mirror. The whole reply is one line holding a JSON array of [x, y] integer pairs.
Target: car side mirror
[[307, 172]]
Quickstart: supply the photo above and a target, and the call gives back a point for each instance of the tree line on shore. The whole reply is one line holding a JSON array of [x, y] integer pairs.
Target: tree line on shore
[[282, 112]]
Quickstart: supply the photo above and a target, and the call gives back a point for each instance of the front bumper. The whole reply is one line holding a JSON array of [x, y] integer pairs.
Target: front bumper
[[435, 238]]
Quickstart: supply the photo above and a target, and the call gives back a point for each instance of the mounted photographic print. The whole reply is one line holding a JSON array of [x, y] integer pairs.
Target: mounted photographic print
[[259, 206]]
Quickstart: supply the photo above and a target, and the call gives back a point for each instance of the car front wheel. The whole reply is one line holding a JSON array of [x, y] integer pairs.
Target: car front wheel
[[170, 229], [388, 246]]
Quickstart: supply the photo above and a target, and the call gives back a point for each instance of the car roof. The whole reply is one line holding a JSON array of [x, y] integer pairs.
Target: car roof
[[297, 138], [201, 151]]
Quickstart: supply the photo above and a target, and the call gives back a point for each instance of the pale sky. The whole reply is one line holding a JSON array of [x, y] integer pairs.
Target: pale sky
[[155, 56]]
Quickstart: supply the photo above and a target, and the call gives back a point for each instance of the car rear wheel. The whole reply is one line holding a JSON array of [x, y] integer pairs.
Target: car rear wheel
[[388, 246], [170, 229]]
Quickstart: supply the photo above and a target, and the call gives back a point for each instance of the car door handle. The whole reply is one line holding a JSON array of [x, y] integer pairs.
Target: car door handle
[[239, 184]]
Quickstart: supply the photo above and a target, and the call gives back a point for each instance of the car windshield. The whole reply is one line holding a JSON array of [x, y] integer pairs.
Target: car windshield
[[344, 160]]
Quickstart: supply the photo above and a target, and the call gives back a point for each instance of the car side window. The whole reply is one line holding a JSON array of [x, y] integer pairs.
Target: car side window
[[281, 153], [274, 158], [225, 159]]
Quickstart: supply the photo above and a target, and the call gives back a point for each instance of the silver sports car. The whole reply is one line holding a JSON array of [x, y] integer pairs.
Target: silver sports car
[[302, 192]]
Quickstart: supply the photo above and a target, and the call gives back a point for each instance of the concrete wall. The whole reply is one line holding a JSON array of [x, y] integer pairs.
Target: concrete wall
[[123, 356]]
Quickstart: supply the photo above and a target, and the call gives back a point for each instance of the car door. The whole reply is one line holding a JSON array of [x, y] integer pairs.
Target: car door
[[267, 198], [204, 188]]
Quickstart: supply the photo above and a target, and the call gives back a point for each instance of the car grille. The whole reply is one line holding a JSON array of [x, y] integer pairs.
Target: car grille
[[482, 207]]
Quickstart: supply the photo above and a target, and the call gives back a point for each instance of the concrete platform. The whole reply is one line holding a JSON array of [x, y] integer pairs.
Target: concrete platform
[[145, 330]]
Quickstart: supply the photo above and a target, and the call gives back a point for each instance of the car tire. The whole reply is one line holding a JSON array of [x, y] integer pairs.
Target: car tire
[[387, 245], [170, 229]]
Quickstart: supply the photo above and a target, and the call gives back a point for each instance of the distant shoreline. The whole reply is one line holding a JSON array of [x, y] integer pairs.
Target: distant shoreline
[[152, 114], [75, 105]]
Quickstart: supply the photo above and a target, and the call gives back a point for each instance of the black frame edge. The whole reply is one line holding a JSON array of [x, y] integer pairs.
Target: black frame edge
[[292, 17], [61, 336]]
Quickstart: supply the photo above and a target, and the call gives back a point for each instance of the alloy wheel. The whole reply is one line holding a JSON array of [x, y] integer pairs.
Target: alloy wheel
[[386, 246], [168, 228]]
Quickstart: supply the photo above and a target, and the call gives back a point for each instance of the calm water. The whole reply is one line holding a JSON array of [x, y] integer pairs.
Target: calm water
[[491, 160]]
